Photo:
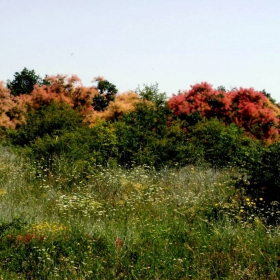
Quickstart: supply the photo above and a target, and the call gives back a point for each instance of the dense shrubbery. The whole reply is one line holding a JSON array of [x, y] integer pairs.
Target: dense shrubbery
[[222, 145], [246, 135], [94, 125], [262, 171], [247, 108], [200, 183], [57, 130], [53, 120]]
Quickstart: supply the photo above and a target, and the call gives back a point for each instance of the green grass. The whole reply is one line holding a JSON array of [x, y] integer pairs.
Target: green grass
[[139, 223]]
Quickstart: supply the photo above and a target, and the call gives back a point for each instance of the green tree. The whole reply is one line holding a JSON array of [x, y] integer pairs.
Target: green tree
[[142, 133], [106, 94], [24, 82], [151, 93]]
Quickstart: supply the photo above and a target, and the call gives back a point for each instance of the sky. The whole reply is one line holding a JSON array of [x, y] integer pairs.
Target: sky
[[175, 43]]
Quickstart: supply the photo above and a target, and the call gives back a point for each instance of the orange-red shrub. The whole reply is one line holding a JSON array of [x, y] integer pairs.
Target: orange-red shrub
[[11, 108], [247, 108], [253, 111], [63, 89]]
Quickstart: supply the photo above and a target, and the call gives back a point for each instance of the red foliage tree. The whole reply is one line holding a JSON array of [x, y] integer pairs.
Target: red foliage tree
[[247, 108], [253, 111], [201, 98]]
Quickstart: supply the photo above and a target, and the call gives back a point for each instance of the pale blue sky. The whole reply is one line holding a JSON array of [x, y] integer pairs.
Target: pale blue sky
[[176, 43]]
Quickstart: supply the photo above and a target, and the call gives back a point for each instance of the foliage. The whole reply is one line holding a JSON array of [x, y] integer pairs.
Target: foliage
[[56, 129], [11, 109], [222, 145], [93, 146], [24, 82], [201, 98], [123, 104], [254, 112], [52, 120], [271, 99], [134, 223], [262, 173], [151, 93], [89, 146], [106, 94], [95, 126], [61, 89], [142, 133], [247, 108], [64, 89]]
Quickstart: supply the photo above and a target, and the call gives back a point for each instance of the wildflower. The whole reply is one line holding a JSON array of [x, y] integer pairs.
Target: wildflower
[[3, 192], [28, 237], [118, 242], [139, 187], [261, 199], [47, 227]]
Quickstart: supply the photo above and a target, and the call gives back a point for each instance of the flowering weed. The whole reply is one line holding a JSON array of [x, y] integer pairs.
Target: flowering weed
[[134, 223]]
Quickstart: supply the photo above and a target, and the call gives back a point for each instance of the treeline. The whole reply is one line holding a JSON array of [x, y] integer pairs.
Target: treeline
[[58, 117]]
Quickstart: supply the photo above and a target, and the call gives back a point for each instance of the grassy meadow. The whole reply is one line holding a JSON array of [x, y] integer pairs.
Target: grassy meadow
[[131, 223]]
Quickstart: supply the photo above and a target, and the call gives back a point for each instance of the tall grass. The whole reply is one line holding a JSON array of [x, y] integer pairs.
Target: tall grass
[[137, 223]]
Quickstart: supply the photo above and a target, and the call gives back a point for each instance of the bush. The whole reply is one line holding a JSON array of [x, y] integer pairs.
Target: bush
[[92, 146], [249, 109], [142, 133], [42, 130], [52, 120], [263, 170], [95, 145], [221, 145]]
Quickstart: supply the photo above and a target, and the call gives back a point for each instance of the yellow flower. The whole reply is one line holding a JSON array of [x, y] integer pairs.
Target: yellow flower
[[139, 187], [261, 199], [3, 192], [47, 227]]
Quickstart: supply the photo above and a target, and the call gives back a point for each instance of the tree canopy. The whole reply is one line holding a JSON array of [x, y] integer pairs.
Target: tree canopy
[[24, 82], [106, 94]]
